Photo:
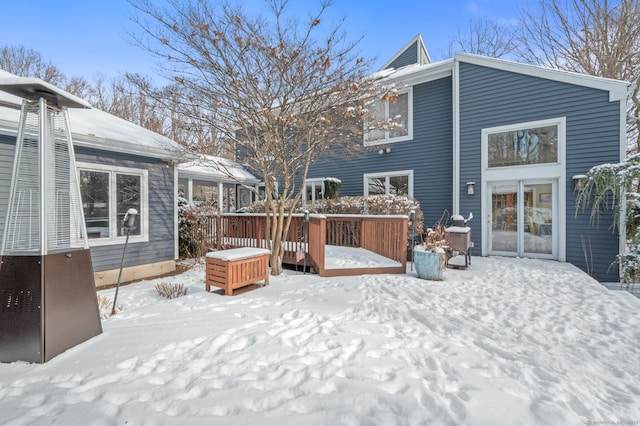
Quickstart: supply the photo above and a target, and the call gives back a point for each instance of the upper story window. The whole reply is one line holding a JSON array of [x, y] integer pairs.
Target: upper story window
[[390, 121], [523, 145], [107, 194]]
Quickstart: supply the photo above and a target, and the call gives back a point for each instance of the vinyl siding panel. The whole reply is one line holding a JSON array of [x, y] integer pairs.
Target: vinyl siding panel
[[428, 154], [490, 97], [7, 149], [408, 57], [161, 221], [160, 246]]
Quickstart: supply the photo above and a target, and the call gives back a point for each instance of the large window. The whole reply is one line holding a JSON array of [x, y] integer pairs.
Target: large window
[[107, 194], [522, 146], [390, 183], [389, 121]]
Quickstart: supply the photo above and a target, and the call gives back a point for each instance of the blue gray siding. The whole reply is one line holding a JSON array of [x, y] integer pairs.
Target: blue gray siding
[[161, 206], [161, 209], [407, 57], [490, 97], [429, 154], [7, 149]]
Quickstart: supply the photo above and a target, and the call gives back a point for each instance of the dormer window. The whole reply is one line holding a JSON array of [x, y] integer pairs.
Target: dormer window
[[389, 120]]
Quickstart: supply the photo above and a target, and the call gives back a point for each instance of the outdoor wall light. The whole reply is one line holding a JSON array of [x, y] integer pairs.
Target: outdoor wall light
[[471, 188], [388, 149], [381, 152], [578, 182]]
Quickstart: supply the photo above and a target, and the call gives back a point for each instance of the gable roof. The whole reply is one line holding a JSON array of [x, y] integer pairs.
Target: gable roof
[[415, 47], [419, 73]]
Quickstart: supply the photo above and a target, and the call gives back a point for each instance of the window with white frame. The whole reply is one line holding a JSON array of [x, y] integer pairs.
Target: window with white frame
[[107, 194], [389, 120], [389, 183], [525, 144], [313, 189]]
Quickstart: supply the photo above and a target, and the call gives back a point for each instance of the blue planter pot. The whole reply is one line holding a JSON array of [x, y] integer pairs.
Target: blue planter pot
[[429, 266]]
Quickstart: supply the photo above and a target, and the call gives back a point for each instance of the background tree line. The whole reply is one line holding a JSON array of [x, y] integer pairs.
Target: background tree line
[[595, 37], [126, 96]]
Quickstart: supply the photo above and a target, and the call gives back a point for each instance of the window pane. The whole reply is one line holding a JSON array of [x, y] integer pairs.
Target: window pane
[[504, 214], [94, 190], [526, 146], [376, 120], [538, 218], [128, 192], [399, 185], [376, 186], [398, 116]]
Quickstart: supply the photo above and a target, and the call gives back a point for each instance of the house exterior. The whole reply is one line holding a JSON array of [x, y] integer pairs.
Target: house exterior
[[498, 139], [120, 165]]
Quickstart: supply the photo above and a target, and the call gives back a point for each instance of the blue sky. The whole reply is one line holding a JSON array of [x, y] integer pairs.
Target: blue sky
[[87, 37]]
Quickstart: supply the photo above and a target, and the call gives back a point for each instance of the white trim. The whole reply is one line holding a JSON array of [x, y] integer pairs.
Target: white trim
[[144, 202], [176, 230], [121, 146], [387, 175], [412, 75], [562, 142], [530, 173], [456, 138], [220, 200], [617, 89], [622, 229], [408, 136]]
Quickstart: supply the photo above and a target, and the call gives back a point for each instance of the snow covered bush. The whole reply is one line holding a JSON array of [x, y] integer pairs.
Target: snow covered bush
[[331, 187], [609, 187], [191, 218], [373, 204], [171, 291]]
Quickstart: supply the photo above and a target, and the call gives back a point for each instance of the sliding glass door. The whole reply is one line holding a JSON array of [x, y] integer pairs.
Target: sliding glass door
[[522, 219]]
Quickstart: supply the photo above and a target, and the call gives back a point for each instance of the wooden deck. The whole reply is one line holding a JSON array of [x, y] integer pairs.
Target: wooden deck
[[383, 235]]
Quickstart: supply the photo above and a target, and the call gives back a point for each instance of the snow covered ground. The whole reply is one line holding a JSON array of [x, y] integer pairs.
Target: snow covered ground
[[506, 342]]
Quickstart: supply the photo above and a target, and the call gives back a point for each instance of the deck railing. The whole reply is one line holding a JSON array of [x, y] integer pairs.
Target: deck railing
[[384, 235]]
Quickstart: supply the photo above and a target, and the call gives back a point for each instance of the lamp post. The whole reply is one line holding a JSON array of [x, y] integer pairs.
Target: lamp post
[[129, 224]]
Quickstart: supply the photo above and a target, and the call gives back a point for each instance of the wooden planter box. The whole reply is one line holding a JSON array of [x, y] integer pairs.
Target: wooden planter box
[[235, 268]]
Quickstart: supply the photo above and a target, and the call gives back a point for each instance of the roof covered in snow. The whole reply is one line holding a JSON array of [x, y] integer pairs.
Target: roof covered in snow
[[216, 169], [89, 126]]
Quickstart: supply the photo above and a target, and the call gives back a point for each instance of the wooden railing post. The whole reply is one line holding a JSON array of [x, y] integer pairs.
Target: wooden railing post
[[316, 243]]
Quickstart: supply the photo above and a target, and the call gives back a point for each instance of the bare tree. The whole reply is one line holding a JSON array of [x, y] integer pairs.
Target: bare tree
[[284, 91], [596, 37], [25, 62], [79, 86], [483, 37]]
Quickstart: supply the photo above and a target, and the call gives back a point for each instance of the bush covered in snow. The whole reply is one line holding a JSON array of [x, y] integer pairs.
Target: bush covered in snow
[[373, 204], [601, 191], [191, 218]]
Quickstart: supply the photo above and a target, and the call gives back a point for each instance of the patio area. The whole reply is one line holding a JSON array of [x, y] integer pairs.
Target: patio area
[[334, 245]]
